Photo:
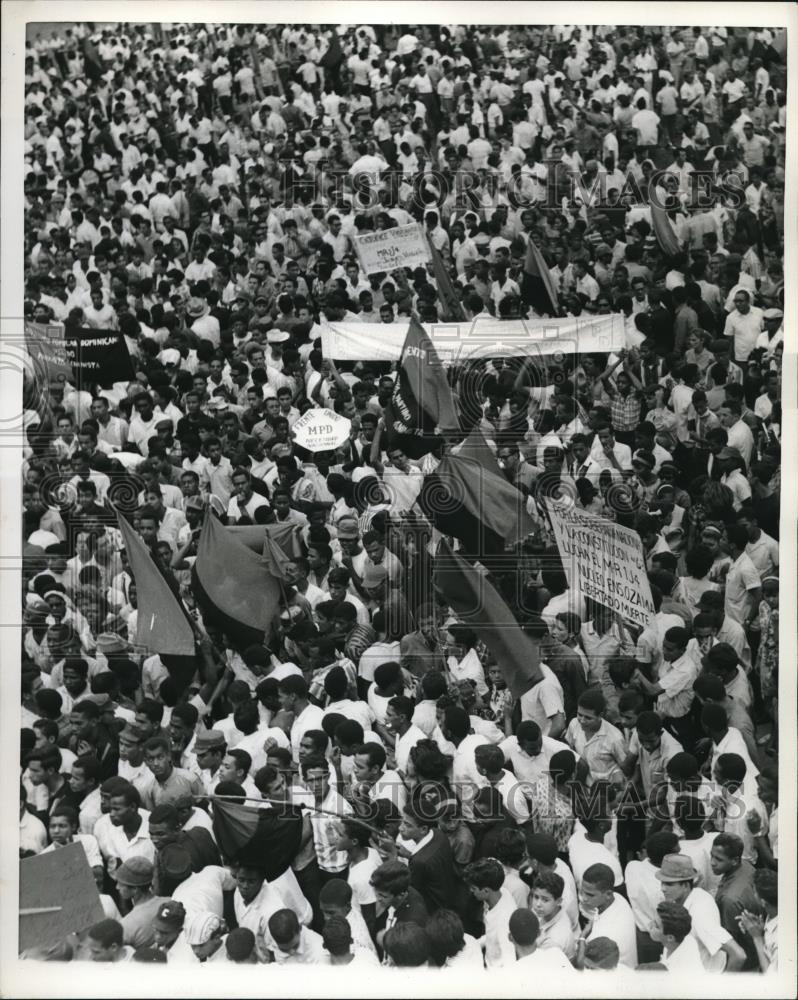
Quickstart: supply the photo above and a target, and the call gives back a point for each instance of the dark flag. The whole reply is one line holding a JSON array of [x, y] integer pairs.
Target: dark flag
[[283, 533], [474, 599], [422, 400], [476, 447], [469, 501], [537, 288], [334, 55], [234, 586], [266, 838], [664, 231], [163, 624], [92, 60], [452, 308]]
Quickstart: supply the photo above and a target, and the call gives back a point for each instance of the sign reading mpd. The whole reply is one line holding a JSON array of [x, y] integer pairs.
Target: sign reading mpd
[[604, 561], [321, 430], [403, 246]]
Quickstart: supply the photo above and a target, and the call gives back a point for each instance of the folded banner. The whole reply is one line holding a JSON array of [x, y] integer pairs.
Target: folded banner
[[163, 625], [479, 338], [388, 249], [477, 603], [603, 561]]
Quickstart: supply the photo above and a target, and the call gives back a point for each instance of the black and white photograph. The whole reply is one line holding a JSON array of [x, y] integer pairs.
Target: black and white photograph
[[395, 569]]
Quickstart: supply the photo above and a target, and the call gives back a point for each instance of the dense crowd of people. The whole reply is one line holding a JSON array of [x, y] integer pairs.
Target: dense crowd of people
[[199, 188]]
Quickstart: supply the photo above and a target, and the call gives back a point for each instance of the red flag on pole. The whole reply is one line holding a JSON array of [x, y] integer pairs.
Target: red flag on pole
[[474, 599], [537, 288], [163, 625]]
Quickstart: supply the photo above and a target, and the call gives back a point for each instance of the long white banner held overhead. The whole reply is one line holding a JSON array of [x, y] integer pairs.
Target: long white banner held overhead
[[481, 337], [604, 561], [402, 246]]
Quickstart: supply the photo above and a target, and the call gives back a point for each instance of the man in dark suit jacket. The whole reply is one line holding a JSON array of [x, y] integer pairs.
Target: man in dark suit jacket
[[431, 864]]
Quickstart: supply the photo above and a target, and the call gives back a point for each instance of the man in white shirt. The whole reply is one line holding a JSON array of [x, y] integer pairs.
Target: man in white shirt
[[717, 948], [246, 502], [293, 694], [680, 949], [607, 913], [644, 891], [743, 582], [398, 721], [530, 957], [529, 751], [743, 325]]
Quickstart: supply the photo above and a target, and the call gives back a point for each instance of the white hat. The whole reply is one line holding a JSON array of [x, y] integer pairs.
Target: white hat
[[277, 336], [200, 927], [171, 356]]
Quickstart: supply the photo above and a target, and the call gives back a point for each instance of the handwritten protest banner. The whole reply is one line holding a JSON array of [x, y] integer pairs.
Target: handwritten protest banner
[[99, 356], [321, 430], [603, 561], [403, 246], [47, 350]]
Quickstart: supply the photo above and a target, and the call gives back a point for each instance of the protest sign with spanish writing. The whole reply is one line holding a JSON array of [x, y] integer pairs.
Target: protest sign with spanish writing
[[403, 246], [603, 561], [47, 351], [98, 356], [321, 430]]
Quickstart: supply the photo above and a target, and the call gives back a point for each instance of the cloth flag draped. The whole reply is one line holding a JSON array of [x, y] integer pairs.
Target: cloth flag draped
[[477, 603], [234, 585], [452, 308], [664, 231], [266, 838], [163, 625], [285, 535], [469, 498], [537, 287], [422, 400]]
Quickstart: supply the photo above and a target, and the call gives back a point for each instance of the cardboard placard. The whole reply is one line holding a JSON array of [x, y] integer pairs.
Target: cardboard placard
[[61, 878], [321, 430], [402, 246], [603, 561]]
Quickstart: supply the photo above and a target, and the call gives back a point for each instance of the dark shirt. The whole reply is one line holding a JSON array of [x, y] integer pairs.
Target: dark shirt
[[413, 910], [432, 872], [734, 894], [567, 667]]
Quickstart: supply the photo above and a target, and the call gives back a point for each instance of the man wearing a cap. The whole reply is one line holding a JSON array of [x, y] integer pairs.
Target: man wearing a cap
[[210, 747], [773, 332], [719, 951], [169, 935], [134, 879]]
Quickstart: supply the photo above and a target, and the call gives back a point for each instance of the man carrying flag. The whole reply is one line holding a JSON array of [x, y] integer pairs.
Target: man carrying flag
[[421, 409], [537, 288]]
